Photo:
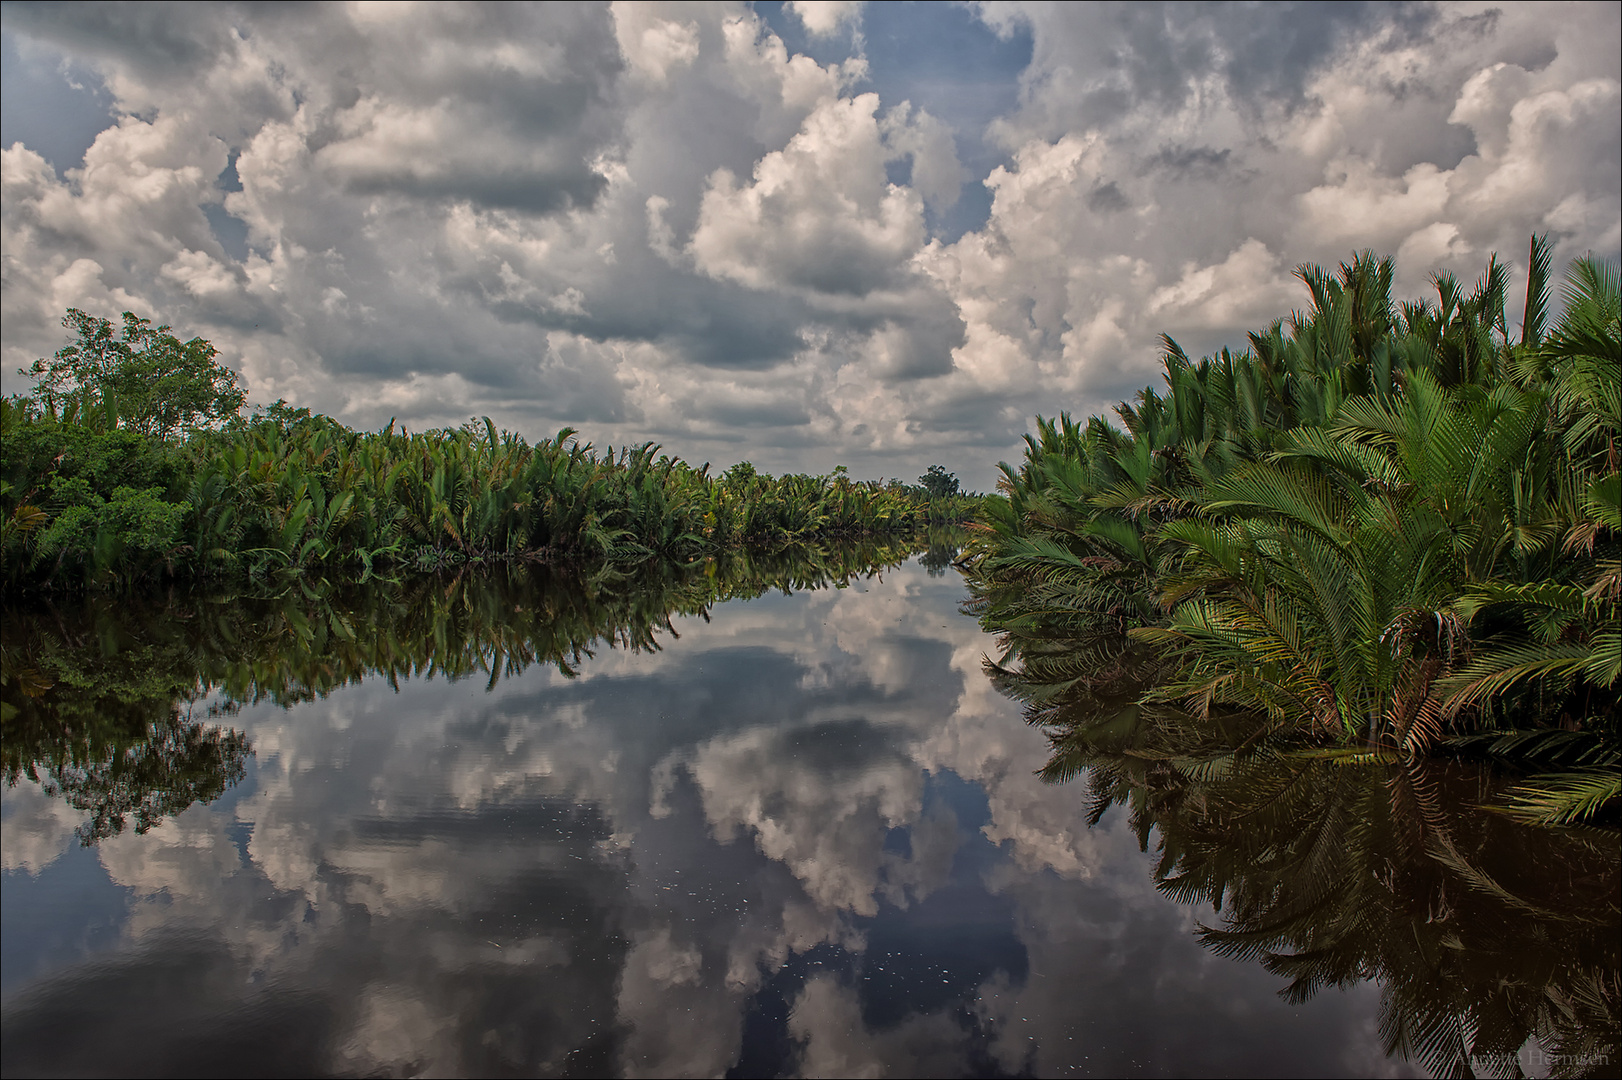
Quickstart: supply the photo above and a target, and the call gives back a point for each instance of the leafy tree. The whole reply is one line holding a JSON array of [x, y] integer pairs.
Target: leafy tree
[[144, 376], [939, 483]]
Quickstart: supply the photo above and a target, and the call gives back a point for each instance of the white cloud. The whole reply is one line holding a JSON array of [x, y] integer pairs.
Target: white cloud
[[936, 174], [36, 830], [823, 18], [654, 46], [818, 217]]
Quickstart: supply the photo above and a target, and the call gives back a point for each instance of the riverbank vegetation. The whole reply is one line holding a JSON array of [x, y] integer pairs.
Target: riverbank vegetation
[[131, 463], [1394, 528]]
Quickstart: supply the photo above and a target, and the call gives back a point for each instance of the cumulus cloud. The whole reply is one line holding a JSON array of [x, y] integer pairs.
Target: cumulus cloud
[[818, 215], [823, 18], [1169, 168], [657, 221]]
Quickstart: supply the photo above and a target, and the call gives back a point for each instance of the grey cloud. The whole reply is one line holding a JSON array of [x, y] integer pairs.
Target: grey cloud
[[753, 415], [1531, 53], [240, 310], [521, 138], [1201, 163], [973, 420], [736, 330], [1271, 53], [713, 324], [920, 347], [540, 186], [561, 382], [524, 140], [160, 41], [1107, 199], [1115, 60], [716, 324]]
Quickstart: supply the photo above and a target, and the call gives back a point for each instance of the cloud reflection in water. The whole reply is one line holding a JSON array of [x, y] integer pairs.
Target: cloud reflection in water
[[803, 837]]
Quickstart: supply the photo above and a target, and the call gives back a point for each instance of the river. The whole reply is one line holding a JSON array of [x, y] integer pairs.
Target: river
[[798, 833]]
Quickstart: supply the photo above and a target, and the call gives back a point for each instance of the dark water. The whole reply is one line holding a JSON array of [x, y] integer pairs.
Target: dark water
[[476, 828]]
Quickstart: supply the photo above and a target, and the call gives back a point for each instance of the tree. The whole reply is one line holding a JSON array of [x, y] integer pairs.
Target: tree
[[145, 377], [939, 483]]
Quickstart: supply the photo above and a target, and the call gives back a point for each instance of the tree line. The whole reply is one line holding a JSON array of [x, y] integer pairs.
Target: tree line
[[131, 462]]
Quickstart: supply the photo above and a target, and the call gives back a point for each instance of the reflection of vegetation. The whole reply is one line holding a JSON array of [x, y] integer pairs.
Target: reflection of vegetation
[[96, 698], [1382, 524], [170, 766], [99, 715], [940, 550], [1482, 932], [1330, 867]]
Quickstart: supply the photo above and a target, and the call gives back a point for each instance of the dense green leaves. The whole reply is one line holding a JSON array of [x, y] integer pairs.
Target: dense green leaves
[[145, 377], [1383, 524], [96, 505]]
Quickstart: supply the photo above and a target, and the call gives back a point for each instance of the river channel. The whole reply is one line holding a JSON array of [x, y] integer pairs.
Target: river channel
[[446, 831]]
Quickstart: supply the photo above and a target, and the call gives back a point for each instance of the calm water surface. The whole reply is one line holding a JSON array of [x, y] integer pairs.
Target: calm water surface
[[802, 836]]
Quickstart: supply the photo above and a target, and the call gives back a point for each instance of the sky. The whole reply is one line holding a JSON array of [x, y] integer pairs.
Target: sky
[[801, 234]]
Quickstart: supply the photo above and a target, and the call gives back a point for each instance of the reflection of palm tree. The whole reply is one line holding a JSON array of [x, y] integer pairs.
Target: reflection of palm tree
[[1333, 868], [1483, 933]]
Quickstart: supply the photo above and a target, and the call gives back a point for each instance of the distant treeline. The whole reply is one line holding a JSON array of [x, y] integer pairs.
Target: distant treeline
[[1390, 526], [131, 463]]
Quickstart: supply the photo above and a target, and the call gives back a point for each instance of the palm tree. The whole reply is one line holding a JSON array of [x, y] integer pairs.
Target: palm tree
[[1384, 523]]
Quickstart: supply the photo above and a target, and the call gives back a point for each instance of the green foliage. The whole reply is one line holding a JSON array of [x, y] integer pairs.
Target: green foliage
[[98, 494], [93, 536], [1382, 524], [939, 483], [144, 377]]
